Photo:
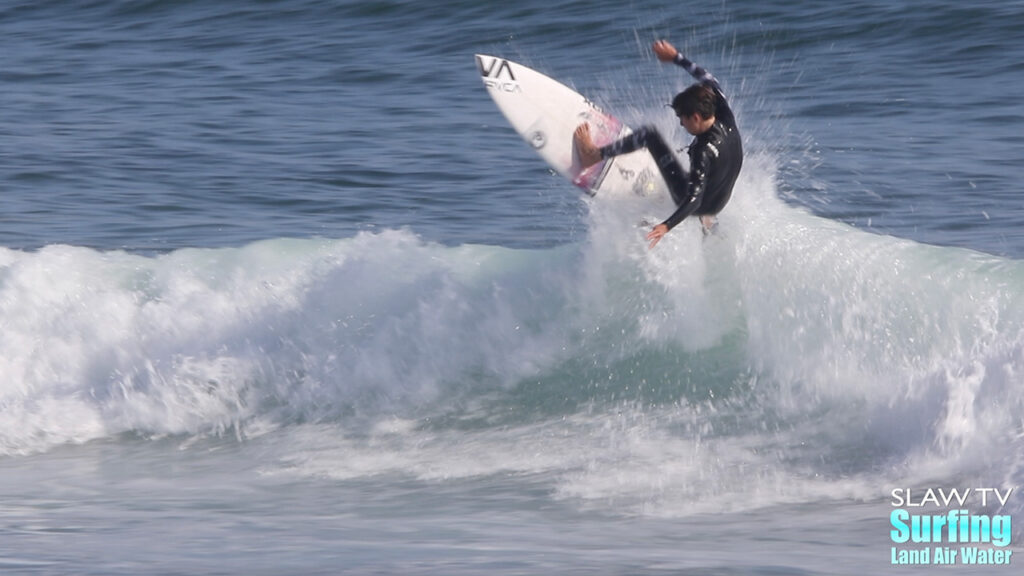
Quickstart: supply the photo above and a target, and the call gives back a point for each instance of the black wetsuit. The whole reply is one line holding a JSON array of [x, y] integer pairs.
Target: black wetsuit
[[716, 157]]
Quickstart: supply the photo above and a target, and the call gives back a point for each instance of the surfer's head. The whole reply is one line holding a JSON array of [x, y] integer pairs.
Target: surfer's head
[[695, 108], [697, 99]]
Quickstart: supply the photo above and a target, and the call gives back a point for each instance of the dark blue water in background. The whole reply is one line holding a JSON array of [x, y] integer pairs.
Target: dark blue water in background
[[158, 125]]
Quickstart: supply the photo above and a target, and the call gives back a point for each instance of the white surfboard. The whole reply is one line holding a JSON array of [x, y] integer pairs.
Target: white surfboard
[[546, 112]]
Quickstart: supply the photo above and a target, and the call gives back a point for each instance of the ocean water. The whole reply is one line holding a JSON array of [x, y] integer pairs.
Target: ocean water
[[282, 293]]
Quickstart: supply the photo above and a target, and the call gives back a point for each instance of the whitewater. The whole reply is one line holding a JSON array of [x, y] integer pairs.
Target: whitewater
[[787, 361], [775, 346]]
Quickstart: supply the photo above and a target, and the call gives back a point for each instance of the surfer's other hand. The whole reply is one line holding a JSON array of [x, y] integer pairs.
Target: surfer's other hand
[[656, 234]]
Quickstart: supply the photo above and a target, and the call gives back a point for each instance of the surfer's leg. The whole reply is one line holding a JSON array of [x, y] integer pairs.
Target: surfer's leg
[[672, 171]]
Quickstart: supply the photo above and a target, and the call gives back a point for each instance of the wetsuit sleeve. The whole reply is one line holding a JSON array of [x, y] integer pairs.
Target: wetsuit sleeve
[[723, 110], [698, 184], [699, 74]]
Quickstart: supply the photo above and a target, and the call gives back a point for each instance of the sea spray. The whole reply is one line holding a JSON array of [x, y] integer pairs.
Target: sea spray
[[790, 358]]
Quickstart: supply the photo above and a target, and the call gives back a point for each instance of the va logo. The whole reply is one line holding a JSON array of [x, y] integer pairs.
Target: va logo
[[495, 69], [498, 75]]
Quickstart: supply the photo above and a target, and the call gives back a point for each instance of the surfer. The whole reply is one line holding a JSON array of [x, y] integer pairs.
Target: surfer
[[716, 153]]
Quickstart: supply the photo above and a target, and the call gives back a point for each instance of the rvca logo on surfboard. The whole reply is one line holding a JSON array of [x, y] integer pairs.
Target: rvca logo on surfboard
[[492, 74]]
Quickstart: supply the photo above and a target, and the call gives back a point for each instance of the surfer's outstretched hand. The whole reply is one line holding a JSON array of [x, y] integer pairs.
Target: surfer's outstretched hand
[[656, 234], [665, 51], [588, 153]]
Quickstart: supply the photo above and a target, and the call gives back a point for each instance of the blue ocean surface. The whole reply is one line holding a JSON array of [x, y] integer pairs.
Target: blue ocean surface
[[281, 292]]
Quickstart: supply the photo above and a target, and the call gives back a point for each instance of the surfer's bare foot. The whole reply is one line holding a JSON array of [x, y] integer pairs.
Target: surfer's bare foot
[[589, 154]]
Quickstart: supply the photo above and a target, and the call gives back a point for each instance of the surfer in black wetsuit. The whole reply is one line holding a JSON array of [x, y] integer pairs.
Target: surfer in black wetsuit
[[716, 153]]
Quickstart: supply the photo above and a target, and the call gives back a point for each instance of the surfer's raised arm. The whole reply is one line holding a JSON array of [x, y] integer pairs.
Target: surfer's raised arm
[[666, 52]]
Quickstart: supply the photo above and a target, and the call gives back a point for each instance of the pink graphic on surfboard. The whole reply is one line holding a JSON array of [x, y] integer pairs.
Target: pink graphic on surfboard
[[604, 129]]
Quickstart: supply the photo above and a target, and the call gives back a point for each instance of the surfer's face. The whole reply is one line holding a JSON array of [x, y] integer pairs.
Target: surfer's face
[[691, 123], [694, 124]]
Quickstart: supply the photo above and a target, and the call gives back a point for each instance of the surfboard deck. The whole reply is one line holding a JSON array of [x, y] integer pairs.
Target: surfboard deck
[[545, 113]]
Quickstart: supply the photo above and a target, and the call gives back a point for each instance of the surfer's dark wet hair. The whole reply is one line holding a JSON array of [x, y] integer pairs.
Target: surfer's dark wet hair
[[697, 99]]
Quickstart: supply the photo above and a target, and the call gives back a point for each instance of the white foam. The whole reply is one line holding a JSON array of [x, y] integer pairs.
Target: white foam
[[900, 358], [197, 340]]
